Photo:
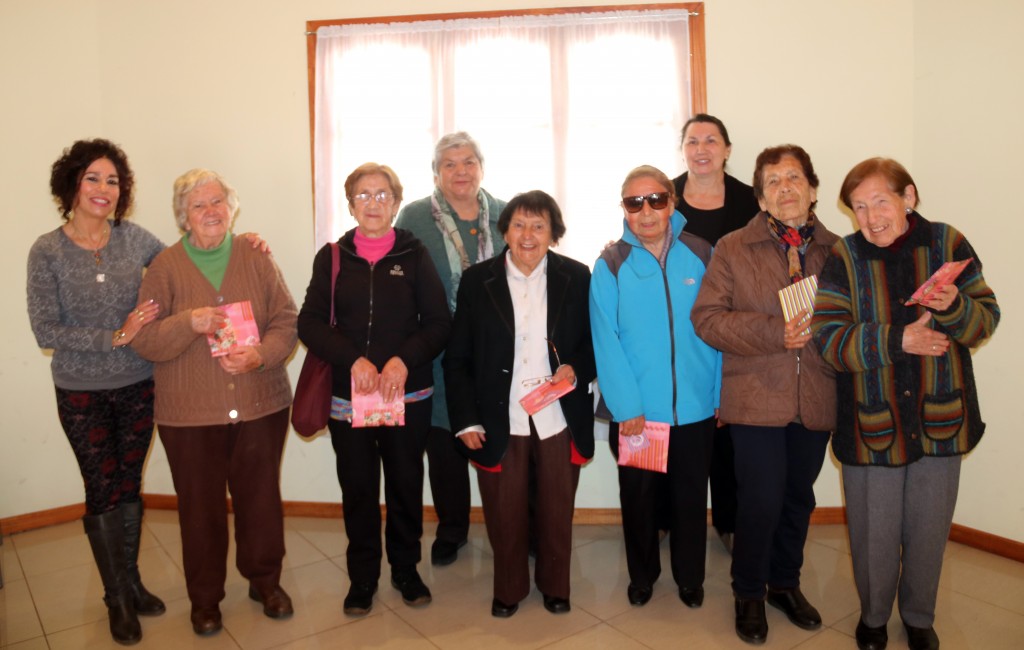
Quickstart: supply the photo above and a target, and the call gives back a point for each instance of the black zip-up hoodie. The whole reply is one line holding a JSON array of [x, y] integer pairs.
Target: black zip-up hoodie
[[395, 307]]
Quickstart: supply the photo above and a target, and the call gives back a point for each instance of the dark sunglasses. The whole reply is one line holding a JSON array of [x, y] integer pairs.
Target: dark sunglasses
[[657, 201]]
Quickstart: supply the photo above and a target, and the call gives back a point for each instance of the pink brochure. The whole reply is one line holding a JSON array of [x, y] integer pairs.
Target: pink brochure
[[545, 394], [239, 330], [372, 411], [649, 450], [941, 279]]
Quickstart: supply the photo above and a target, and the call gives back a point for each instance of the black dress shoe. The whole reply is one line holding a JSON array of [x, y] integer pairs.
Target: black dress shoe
[[501, 610], [751, 623], [638, 595], [276, 603], [800, 612], [692, 597], [443, 552], [922, 638], [359, 600], [408, 581], [206, 621], [556, 605], [871, 638]]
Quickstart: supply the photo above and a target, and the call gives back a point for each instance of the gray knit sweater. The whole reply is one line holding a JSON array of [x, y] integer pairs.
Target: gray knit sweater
[[74, 305]]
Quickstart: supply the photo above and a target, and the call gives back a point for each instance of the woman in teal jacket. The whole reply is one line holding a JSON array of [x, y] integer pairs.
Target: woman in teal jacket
[[652, 367]]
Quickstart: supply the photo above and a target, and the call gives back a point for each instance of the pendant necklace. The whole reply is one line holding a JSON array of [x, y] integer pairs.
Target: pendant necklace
[[100, 277]]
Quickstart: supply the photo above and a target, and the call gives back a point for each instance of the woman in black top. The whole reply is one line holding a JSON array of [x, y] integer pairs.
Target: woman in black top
[[714, 204]]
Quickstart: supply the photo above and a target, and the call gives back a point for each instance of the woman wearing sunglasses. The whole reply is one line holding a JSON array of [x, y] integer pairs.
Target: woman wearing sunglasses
[[777, 393], [522, 326], [654, 369]]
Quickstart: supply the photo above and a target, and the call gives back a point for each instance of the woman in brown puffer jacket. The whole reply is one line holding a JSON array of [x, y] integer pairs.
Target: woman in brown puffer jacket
[[777, 393]]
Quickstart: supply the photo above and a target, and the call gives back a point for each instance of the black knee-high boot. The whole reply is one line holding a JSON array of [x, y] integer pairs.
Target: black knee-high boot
[[106, 537], [145, 603]]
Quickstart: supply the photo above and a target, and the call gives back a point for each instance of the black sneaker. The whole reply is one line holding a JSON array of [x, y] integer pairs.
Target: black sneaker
[[359, 600], [408, 581]]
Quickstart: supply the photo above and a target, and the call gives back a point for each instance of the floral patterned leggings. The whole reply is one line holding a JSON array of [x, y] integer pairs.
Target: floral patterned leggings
[[109, 431]]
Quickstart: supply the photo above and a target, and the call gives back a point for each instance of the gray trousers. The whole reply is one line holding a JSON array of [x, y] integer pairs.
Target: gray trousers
[[899, 520]]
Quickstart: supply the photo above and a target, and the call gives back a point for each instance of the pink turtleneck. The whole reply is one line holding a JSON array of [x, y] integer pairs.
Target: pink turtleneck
[[372, 249]]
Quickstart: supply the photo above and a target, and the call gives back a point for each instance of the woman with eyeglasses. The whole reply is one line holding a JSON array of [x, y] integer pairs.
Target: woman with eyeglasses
[[777, 393], [391, 320], [522, 326], [654, 369]]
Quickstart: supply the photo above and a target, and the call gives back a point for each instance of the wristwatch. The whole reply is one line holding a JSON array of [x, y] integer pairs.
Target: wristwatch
[[118, 335]]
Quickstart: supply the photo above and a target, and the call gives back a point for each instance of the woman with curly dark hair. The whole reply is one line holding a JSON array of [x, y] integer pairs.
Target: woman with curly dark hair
[[83, 282]]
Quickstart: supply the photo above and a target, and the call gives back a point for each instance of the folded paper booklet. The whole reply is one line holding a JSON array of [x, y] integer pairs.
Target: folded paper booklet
[[649, 450], [372, 411], [546, 393], [239, 329], [941, 279], [799, 296]]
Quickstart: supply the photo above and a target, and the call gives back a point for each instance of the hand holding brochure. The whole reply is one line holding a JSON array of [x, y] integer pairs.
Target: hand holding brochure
[[941, 279], [370, 410], [649, 450], [239, 329], [798, 296], [545, 394]]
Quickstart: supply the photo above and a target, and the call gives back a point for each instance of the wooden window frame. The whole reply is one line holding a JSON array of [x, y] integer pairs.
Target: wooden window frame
[[698, 59]]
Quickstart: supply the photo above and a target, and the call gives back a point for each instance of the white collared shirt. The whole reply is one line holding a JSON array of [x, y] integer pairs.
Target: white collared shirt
[[531, 361]]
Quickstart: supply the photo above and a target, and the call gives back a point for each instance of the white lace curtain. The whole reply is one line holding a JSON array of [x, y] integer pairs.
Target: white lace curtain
[[565, 103]]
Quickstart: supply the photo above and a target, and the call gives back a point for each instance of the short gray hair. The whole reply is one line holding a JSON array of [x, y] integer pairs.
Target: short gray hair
[[189, 181], [453, 141]]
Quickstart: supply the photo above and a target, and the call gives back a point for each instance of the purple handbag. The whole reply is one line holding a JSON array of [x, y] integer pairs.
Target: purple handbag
[[311, 407]]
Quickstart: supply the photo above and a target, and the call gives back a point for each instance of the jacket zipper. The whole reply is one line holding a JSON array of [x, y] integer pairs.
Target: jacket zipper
[[671, 333], [672, 341], [369, 325]]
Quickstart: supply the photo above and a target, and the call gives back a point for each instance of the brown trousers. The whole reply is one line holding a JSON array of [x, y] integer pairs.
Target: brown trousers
[[504, 495], [245, 457]]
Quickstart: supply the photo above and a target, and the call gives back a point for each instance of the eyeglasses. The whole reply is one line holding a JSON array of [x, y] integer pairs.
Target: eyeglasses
[[537, 381], [657, 201], [382, 196]]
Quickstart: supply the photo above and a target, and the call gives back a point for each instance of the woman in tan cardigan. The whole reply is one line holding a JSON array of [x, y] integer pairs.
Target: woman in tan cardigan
[[222, 420]]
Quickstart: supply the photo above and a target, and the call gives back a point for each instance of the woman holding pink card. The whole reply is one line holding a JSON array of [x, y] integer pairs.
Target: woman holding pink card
[[517, 371], [778, 396], [656, 374], [908, 402], [391, 320], [222, 419]]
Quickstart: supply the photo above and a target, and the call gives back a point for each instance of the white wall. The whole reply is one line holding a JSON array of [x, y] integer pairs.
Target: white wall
[[223, 85]]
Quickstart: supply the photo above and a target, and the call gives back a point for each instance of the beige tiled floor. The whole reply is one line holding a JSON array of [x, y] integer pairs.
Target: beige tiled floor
[[52, 599]]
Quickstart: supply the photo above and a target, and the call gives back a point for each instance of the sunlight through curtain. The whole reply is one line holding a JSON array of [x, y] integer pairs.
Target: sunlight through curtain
[[565, 103]]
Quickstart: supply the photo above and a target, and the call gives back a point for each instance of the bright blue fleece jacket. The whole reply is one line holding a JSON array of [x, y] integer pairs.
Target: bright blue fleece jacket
[[650, 362]]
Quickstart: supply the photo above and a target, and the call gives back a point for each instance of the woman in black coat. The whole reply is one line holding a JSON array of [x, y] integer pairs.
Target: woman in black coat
[[522, 323]]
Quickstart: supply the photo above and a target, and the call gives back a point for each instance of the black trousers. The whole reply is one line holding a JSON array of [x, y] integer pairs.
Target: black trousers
[[449, 485], [686, 487], [722, 479], [360, 454], [775, 472]]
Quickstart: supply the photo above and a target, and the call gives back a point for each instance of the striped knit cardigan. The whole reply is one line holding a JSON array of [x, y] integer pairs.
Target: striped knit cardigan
[[895, 407]]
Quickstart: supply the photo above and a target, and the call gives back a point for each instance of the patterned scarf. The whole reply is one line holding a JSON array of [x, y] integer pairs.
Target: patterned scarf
[[458, 258], [794, 242]]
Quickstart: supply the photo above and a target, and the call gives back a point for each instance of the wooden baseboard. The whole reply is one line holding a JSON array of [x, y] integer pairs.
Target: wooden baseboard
[[988, 542], [978, 539]]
